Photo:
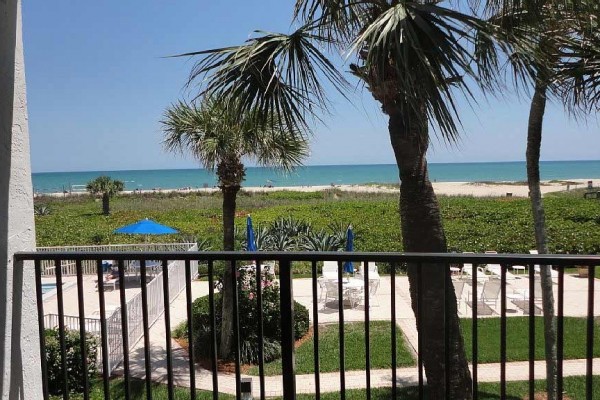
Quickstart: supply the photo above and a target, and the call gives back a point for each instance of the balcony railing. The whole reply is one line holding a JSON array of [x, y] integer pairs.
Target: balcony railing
[[145, 310]]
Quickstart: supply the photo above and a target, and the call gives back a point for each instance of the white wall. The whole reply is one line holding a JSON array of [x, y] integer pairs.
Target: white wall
[[20, 374]]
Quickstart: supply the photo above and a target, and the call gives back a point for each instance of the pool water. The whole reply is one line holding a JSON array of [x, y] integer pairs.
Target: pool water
[[47, 287]]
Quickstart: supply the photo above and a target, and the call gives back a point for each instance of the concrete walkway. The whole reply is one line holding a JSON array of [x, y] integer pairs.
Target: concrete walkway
[[330, 382]]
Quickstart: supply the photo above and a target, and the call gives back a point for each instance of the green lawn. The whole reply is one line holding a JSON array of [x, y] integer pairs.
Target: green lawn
[[354, 334], [574, 387], [517, 338], [138, 392]]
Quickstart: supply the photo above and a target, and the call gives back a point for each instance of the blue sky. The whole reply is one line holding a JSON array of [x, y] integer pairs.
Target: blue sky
[[98, 84]]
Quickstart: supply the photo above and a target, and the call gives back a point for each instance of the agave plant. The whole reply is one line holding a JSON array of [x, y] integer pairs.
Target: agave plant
[[41, 209], [281, 241], [291, 226], [204, 245], [321, 241]]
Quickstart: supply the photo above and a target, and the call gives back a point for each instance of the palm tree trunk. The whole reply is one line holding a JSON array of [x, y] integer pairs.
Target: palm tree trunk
[[105, 204], [422, 231], [534, 143], [229, 200]]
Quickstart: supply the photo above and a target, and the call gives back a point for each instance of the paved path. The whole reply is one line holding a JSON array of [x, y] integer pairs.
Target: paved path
[[330, 382]]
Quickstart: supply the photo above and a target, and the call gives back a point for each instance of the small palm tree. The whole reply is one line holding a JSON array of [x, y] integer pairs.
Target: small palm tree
[[106, 187], [220, 138]]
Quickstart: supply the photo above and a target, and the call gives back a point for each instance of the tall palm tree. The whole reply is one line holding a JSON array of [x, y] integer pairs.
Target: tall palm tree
[[106, 187], [221, 138], [414, 58], [554, 26]]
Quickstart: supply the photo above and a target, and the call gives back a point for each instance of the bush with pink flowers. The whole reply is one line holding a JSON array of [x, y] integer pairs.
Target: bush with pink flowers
[[248, 320]]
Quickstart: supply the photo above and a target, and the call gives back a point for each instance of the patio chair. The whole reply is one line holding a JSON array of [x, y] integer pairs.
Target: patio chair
[[373, 271], [467, 272], [330, 270], [111, 279], [496, 269], [322, 287], [358, 295], [331, 291], [537, 269], [459, 287], [486, 298], [522, 297]]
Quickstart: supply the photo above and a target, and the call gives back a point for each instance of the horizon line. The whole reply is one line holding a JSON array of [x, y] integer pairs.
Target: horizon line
[[303, 166]]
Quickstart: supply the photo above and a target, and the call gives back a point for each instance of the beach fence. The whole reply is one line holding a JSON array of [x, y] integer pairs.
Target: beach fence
[[135, 326], [89, 267]]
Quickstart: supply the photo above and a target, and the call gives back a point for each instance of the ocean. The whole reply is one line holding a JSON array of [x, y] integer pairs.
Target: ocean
[[48, 182]]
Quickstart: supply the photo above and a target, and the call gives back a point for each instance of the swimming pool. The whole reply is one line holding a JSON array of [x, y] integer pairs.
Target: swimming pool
[[47, 287]]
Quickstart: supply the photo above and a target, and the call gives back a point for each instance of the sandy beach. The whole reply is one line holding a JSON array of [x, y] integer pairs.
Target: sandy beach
[[475, 189]]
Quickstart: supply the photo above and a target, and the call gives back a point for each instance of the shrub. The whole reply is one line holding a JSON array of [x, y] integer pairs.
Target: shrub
[[74, 364], [248, 320]]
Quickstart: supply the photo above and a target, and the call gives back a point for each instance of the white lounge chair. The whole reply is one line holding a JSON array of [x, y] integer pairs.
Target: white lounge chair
[[537, 269], [459, 287], [496, 269], [467, 272], [487, 297], [330, 270], [522, 297]]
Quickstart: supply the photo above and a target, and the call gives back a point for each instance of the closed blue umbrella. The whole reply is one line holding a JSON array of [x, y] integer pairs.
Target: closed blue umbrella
[[250, 241], [348, 267], [146, 227]]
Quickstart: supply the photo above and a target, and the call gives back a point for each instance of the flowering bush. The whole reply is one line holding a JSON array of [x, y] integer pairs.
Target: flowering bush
[[248, 320]]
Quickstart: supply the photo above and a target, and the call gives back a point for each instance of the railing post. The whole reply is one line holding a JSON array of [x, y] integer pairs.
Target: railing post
[[287, 331]]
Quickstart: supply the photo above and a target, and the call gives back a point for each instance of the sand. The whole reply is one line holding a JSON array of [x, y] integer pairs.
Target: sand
[[475, 189]]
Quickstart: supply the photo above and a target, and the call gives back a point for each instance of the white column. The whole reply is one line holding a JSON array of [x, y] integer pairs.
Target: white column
[[20, 373]]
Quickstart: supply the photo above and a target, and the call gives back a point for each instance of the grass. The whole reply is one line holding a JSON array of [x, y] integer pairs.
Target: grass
[[138, 391], [574, 387], [517, 339], [354, 336]]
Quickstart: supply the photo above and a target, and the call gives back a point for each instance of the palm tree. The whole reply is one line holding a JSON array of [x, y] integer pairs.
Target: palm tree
[[220, 138], [413, 57], [555, 27], [106, 187]]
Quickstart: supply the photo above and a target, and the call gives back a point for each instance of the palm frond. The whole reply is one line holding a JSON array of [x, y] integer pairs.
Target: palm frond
[[274, 75], [338, 19]]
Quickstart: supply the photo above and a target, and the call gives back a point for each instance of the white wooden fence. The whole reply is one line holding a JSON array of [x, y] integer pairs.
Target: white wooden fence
[[89, 267], [155, 305]]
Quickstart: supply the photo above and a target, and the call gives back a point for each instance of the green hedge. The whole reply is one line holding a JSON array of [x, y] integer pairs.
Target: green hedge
[[471, 224], [74, 365]]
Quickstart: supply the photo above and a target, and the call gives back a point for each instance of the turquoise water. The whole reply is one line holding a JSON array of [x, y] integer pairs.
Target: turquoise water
[[318, 175], [46, 287]]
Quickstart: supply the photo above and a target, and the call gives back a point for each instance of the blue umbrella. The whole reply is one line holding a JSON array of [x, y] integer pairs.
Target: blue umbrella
[[348, 267], [146, 227], [250, 241]]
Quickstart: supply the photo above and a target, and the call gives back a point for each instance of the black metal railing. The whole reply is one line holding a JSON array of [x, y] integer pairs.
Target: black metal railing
[[286, 260]]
